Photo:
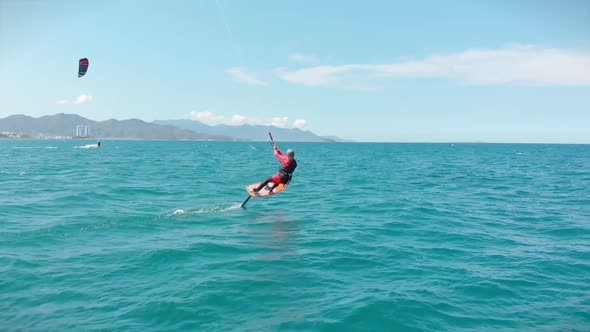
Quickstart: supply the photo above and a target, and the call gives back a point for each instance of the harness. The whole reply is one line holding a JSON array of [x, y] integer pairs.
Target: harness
[[286, 172], [285, 177]]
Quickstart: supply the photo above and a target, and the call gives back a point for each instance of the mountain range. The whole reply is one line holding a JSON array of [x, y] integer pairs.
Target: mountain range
[[250, 132], [64, 125]]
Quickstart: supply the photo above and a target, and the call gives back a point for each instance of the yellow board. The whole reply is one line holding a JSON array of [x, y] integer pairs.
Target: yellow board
[[264, 191]]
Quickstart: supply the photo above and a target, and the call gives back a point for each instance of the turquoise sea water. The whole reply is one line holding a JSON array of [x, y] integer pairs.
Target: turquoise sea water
[[148, 236]]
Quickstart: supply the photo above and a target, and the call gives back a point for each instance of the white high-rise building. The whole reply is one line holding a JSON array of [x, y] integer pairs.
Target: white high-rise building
[[82, 131], [79, 130]]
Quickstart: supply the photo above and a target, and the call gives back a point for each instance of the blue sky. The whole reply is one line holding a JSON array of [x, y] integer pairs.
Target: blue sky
[[497, 71]]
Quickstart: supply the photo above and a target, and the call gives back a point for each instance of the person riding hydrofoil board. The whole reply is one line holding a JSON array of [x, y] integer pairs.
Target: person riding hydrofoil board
[[285, 174]]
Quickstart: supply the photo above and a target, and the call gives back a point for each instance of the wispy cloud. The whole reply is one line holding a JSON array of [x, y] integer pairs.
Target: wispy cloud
[[243, 76], [207, 117], [302, 58], [81, 100], [527, 65], [299, 123], [238, 120]]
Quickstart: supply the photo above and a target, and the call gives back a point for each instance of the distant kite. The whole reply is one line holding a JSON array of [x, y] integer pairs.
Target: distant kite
[[82, 67]]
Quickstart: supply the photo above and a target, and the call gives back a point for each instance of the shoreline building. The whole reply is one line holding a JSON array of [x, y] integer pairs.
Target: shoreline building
[[82, 131]]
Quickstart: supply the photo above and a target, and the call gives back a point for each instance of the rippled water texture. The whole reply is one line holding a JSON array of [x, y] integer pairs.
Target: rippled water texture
[[149, 236]]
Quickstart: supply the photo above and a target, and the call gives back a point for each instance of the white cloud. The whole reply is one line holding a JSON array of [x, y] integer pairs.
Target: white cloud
[[237, 119], [81, 100], [299, 123], [302, 58], [513, 65], [207, 117], [243, 76], [279, 121]]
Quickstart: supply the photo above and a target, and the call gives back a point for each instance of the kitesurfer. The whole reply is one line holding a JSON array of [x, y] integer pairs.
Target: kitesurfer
[[288, 165]]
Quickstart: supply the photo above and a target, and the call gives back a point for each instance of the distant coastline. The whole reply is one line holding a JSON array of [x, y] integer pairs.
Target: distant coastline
[[72, 126]]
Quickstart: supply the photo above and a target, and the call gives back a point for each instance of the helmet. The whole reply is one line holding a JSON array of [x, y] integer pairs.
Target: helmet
[[290, 153]]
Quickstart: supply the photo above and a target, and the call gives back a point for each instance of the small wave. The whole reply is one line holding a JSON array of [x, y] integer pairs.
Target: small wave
[[87, 146], [11, 173], [34, 147], [220, 209], [95, 227]]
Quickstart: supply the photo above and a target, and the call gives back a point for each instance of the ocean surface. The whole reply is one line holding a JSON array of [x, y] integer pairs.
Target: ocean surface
[[149, 236]]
